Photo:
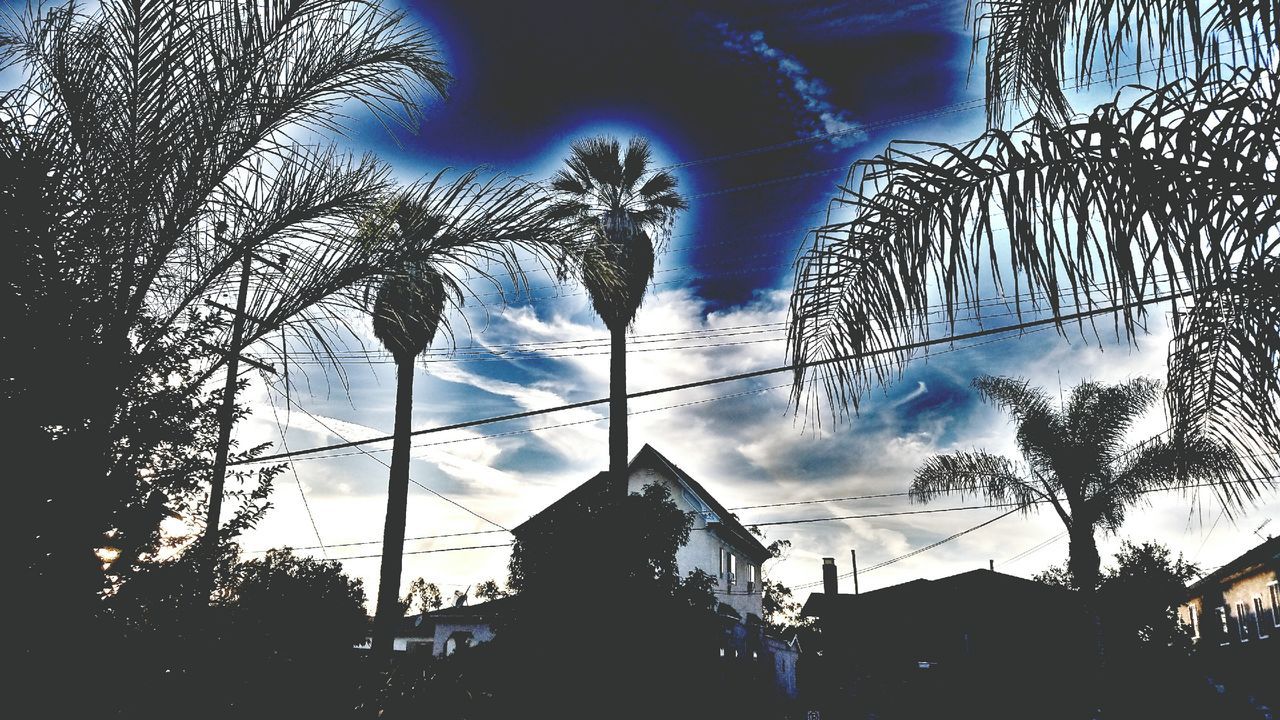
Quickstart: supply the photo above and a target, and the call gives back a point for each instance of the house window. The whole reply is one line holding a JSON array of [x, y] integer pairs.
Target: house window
[[723, 562], [1225, 629], [1257, 617], [1241, 625], [733, 569], [751, 578], [1193, 623], [1273, 590]]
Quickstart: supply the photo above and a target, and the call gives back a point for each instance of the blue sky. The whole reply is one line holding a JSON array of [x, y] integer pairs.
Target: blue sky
[[701, 80]]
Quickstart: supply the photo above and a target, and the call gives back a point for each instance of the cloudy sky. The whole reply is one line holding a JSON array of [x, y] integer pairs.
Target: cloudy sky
[[725, 89]]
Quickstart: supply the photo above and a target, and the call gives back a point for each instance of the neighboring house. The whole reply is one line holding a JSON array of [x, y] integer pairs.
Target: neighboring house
[[718, 544], [446, 631], [1239, 603], [1233, 615], [980, 643]]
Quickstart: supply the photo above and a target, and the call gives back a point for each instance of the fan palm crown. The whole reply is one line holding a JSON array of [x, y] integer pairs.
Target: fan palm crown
[[609, 196], [612, 196]]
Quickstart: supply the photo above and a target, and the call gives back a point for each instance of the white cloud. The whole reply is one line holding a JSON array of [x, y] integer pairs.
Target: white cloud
[[748, 449], [799, 86]]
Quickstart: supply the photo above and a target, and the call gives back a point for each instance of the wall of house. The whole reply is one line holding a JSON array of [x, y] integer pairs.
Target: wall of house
[[480, 631], [703, 549], [1231, 594]]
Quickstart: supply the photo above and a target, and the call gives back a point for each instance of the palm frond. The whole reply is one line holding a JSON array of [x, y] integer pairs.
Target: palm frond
[[1031, 46], [995, 478], [1168, 463], [1224, 365], [1166, 194]]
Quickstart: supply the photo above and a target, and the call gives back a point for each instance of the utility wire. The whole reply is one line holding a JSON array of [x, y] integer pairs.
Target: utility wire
[[293, 467], [1057, 320], [380, 461], [588, 421]]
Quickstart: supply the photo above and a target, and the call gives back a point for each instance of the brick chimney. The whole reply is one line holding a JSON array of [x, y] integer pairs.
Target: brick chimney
[[829, 581]]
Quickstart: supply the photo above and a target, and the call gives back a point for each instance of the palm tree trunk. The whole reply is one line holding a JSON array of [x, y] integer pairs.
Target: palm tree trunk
[[618, 406], [389, 612], [1083, 560]]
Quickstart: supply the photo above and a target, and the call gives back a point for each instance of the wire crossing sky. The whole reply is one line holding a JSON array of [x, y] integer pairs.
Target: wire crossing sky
[[759, 109]]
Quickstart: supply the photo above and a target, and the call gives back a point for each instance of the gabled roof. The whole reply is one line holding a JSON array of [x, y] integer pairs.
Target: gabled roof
[[975, 583], [723, 522], [1267, 552]]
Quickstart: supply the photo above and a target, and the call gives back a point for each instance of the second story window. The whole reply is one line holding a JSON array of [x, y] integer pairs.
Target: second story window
[[1241, 625], [733, 570], [1258, 614], [1193, 622], [1225, 628], [751, 578], [724, 562]]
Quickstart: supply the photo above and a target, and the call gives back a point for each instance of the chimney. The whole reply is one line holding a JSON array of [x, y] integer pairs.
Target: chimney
[[829, 582]]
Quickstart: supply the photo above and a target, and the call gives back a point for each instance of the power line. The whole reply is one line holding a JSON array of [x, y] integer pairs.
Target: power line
[[379, 460], [426, 552], [640, 412], [293, 467], [905, 347]]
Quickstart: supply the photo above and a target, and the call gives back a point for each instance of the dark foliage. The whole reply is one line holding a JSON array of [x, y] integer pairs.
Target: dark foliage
[[1074, 460], [276, 643]]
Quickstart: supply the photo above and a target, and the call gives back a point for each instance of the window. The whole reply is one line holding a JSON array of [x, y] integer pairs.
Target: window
[[1241, 625], [1257, 617], [1225, 629], [733, 569], [1274, 590], [1193, 622], [723, 562], [751, 578]]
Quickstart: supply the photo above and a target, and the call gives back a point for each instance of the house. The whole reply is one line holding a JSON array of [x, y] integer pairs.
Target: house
[[445, 631], [1237, 604], [1233, 615], [929, 647], [718, 544]]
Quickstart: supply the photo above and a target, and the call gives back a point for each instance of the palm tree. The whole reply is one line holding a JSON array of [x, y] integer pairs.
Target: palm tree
[[148, 149], [1074, 460], [406, 315], [1165, 194], [613, 199], [454, 230]]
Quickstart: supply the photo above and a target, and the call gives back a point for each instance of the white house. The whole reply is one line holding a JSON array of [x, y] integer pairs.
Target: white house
[[718, 544]]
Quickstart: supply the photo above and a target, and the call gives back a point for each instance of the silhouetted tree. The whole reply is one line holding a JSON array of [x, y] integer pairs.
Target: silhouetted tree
[[621, 207], [277, 640], [1167, 191], [454, 228], [423, 597], [1138, 598], [405, 318], [1075, 461], [147, 149]]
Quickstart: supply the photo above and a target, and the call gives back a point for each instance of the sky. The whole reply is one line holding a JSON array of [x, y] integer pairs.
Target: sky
[[725, 89]]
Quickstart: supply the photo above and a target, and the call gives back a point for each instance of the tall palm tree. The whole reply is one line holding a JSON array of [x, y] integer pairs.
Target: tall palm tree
[[612, 198], [1165, 194], [1074, 460], [453, 230], [406, 315]]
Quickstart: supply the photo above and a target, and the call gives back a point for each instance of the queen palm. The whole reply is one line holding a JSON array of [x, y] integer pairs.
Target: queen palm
[[1165, 194], [1074, 461], [611, 197]]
